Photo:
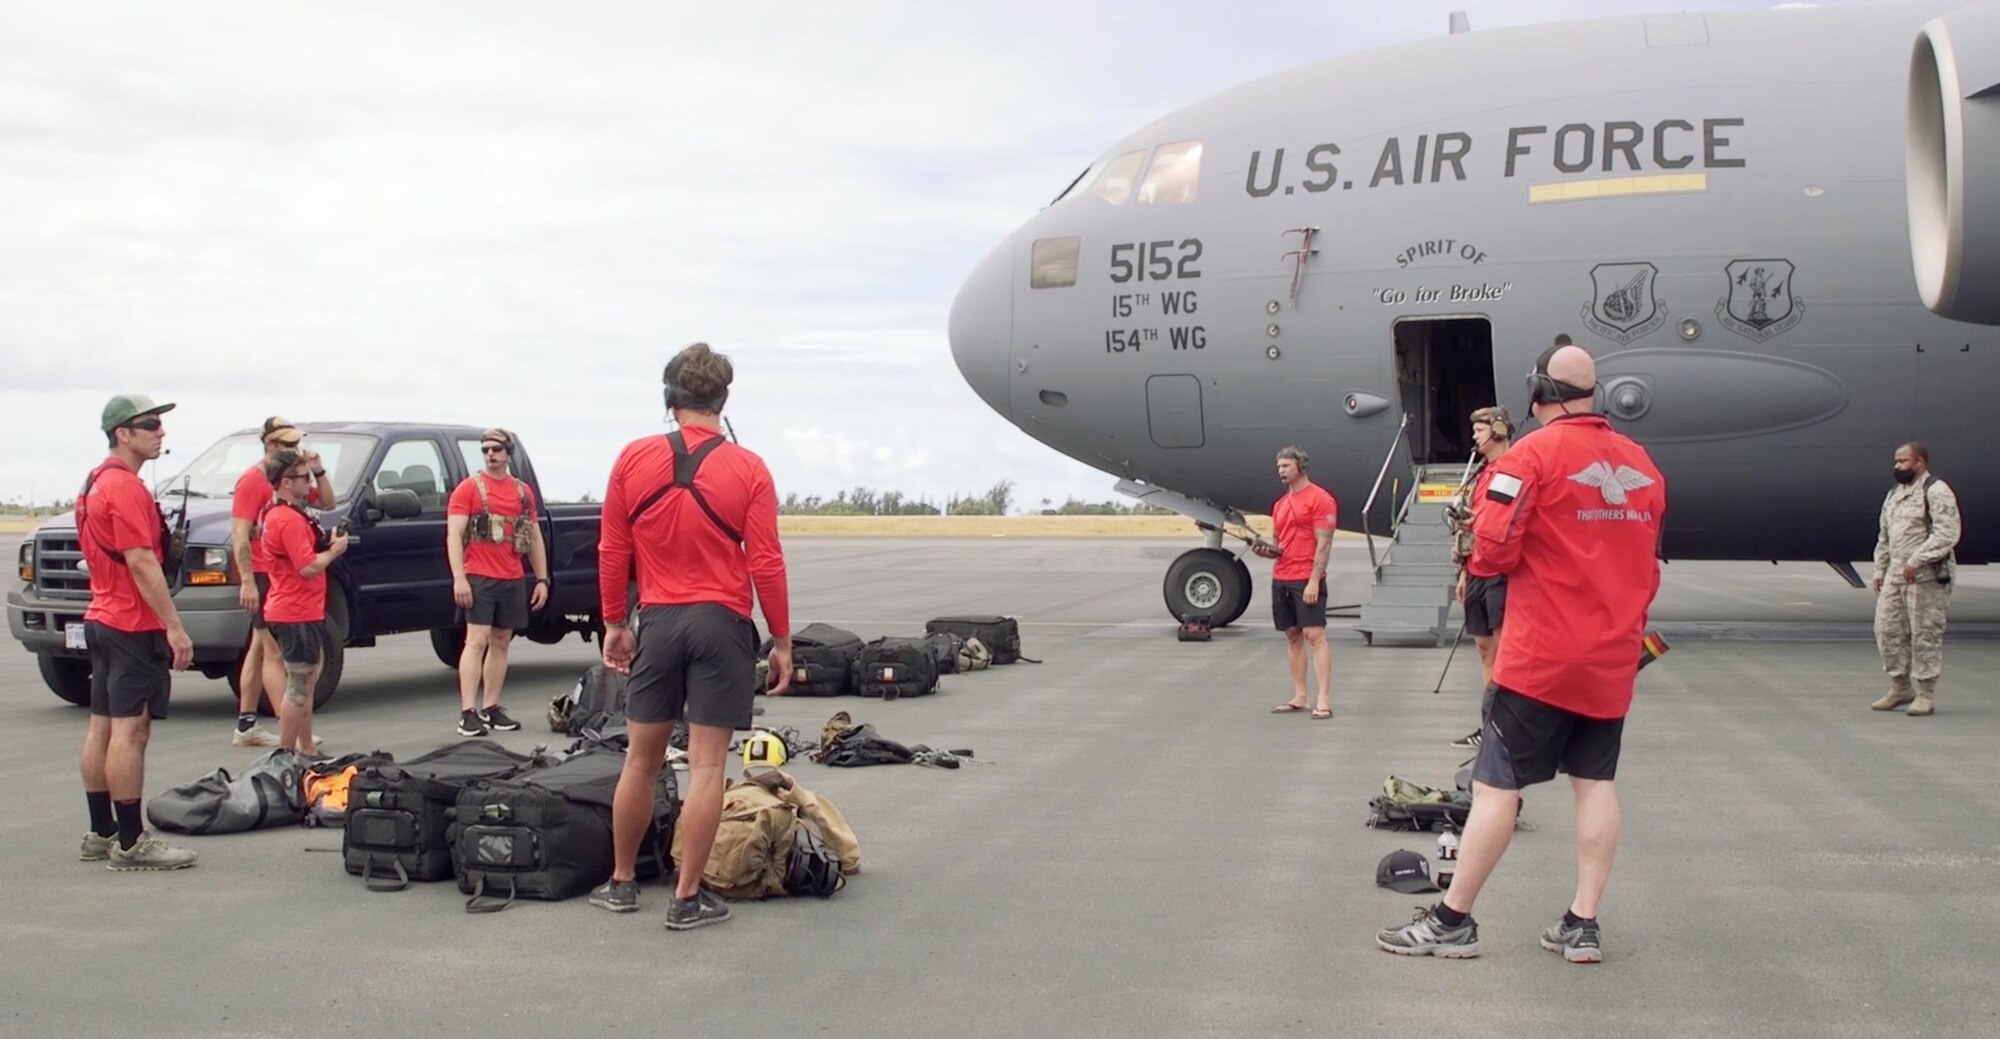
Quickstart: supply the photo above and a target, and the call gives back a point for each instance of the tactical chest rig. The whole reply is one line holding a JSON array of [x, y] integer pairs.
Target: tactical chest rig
[[516, 531]]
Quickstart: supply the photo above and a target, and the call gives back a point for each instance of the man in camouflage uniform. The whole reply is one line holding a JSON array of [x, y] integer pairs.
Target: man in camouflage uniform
[[1484, 596], [1914, 567]]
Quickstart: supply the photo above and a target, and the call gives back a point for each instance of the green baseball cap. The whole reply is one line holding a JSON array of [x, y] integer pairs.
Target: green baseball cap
[[127, 406]]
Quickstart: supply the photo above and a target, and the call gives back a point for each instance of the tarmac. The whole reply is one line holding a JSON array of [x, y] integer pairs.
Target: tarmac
[[1144, 850]]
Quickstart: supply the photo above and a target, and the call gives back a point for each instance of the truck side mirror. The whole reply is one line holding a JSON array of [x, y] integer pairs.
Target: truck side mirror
[[399, 504]]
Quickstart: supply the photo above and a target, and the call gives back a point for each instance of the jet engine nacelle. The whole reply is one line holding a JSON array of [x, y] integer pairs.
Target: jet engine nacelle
[[1952, 154]]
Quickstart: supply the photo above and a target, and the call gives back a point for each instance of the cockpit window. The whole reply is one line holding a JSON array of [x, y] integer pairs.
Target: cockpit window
[[1172, 177], [1114, 185], [1053, 263]]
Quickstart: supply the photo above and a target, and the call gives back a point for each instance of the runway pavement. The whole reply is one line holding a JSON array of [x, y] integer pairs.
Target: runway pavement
[[1148, 852]]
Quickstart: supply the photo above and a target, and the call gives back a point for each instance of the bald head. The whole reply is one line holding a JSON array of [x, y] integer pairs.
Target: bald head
[[1571, 365]]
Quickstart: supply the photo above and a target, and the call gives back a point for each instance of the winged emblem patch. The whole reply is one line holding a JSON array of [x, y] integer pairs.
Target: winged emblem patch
[[1612, 483]]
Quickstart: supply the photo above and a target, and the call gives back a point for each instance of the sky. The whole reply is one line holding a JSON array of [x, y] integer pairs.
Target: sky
[[510, 213]]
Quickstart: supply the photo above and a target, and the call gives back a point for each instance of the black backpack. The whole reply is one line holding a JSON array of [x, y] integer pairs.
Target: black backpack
[[861, 746], [547, 834], [822, 660], [892, 668], [1002, 635], [398, 815], [944, 648], [596, 704]]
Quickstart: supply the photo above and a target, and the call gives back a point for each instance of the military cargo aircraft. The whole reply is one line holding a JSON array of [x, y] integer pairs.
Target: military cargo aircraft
[[1778, 232]]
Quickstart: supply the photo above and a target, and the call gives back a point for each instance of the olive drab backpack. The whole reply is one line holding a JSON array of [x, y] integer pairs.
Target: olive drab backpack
[[516, 531]]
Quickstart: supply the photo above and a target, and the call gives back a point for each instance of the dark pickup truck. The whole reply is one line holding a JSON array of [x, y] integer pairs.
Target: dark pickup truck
[[392, 481]]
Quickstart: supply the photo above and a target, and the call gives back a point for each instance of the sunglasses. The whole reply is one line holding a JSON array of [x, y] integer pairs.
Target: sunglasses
[[492, 449], [150, 425]]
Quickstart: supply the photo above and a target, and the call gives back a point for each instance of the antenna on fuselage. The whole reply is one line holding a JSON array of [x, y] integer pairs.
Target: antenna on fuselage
[[1460, 23]]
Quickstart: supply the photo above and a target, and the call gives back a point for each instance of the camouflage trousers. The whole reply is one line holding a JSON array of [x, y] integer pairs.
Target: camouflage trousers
[[1909, 628]]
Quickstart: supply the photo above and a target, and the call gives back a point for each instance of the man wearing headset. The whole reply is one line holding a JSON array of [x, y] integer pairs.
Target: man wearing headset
[[697, 517], [1571, 516], [1484, 595]]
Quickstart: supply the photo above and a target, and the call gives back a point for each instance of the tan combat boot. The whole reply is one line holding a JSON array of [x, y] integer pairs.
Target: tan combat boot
[[1923, 706], [1898, 694]]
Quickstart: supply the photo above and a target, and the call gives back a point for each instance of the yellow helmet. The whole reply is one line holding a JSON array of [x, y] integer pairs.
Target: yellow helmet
[[763, 748]]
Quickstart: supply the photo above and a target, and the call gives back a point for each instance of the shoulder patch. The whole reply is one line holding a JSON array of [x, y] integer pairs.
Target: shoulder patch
[[1503, 488]]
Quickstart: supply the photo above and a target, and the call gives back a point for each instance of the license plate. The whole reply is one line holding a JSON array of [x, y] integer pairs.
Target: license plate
[[73, 637]]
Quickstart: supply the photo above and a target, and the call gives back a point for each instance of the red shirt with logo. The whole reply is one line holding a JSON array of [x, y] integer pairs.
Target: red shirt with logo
[[682, 556], [485, 558], [288, 546], [1295, 521], [1572, 517], [1479, 481], [118, 514]]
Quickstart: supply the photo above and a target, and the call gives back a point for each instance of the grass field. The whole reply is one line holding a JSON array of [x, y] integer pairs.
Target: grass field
[[18, 524]]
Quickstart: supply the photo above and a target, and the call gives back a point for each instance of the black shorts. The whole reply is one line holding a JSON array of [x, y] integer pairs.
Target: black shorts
[[1289, 608], [263, 593], [300, 643], [1485, 604], [130, 672], [501, 604], [1528, 741], [697, 664]]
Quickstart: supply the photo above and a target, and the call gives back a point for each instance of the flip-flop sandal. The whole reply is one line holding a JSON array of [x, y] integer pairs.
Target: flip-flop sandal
[[1287, 708], [1320, 716]]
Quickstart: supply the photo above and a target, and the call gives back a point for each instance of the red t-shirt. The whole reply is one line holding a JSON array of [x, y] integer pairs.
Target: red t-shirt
[[1572, 516], [253, 495], [1294, 521], [489, 558], [682, 556], [118, 514], [288, 541]]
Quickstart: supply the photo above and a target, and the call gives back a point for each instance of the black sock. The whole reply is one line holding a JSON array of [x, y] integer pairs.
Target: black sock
[[129, 823], [245, 721], [1570, 919], [101, 823], [1450, 917]]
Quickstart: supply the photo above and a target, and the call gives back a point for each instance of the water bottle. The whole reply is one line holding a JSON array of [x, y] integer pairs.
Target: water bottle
[[1447, 856]]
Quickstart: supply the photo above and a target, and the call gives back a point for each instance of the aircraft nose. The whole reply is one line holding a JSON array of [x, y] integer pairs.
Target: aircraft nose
[[982, 328]]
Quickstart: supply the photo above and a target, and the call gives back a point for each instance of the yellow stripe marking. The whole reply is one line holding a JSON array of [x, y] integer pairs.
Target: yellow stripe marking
[[1617, 187]]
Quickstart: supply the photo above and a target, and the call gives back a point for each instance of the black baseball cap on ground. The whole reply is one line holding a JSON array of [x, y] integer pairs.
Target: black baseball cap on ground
[[1405, 871]]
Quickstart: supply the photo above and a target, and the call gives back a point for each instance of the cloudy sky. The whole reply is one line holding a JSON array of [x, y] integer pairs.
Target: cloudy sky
[[512, 213]]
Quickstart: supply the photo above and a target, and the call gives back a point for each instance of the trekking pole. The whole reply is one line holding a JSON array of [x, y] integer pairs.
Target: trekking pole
[[1447, 657]]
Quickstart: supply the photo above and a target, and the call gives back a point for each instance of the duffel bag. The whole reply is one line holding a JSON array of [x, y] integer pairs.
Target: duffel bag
[[547, 834], [398, 815], [822, 660], [268, 792], [892, 668], [1002, 635]]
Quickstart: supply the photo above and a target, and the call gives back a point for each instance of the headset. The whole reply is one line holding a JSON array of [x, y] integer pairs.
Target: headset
[[678, 398], [1497, 419], [1542, 389]]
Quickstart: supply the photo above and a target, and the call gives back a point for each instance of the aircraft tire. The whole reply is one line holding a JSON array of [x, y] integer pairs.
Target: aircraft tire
[[1210, 581]]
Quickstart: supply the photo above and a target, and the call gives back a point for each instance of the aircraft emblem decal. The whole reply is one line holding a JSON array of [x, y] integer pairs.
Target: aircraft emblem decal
[[1760, 303], [1623, 306], [1612, 483]]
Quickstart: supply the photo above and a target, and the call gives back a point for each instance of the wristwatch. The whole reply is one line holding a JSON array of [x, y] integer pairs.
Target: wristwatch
[[319, 474], [541, 580]]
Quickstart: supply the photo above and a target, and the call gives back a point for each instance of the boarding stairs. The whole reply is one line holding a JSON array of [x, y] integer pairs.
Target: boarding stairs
[[1414, 577]]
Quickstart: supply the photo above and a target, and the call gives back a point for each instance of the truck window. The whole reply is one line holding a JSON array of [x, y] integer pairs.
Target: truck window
[[416, 466]]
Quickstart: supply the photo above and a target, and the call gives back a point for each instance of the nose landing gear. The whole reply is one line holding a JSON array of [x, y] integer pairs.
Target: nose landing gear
[[1210, 581]]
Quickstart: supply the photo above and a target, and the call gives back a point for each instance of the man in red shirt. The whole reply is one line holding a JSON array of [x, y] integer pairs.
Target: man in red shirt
[[1484, 595], [1303, 522], [295, 609], [134, 636], [1572, 517], [490, 525], [246, 511], [697, 517]]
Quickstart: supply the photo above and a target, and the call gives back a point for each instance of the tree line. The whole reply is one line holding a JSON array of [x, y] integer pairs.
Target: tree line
[[998, 500]]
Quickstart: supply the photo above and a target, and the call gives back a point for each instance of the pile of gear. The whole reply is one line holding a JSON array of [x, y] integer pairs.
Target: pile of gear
[[830, 661], [1408, 806], [506, 825]]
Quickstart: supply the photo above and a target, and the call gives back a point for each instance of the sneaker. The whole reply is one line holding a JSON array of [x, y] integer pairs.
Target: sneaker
[[686, 914], [1578, 943], [254, 736], [95, 848], [150, 853], [1469, 741], [470, 725], [495, 718], [1426, 935], [619, 896]]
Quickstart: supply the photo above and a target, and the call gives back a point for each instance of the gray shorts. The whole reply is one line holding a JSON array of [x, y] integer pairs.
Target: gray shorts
[[301, 642], [130, 672], [696, 663], [1485, 604], [497, 603]]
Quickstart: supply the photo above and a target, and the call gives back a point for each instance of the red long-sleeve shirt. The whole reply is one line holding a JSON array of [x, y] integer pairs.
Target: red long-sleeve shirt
[[1572, 516], [682, 556]]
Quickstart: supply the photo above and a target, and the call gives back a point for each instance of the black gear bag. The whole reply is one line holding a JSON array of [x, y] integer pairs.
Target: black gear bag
[[398, 815], [1002, 635]]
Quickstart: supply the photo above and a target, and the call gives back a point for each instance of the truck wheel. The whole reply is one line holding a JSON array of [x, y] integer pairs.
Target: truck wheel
[[448, 644], [334, 658], [69, 677]]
